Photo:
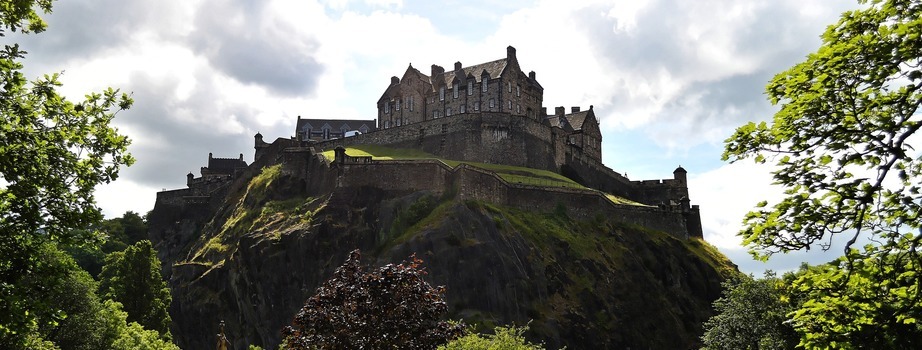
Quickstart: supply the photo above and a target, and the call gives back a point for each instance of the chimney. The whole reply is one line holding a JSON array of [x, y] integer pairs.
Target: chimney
[[574, 109], [209, 155], [395, 80], [531, 75], [437, 71], [544, 111], [560, 111], [241, 156], [510, 53], [458, 66]]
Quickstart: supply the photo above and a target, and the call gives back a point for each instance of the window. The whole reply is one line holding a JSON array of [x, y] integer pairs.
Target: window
[[398, 105], [399, 120], [484, 82], [470, 87], [387, 124], [435, 114], [387, 108], [442, 93], [455, 90], [491, 103], [411, 103], [477, 106], [509, 105], [518, 108], [448, 111], [518, 90], [509, 86], [463, 109]]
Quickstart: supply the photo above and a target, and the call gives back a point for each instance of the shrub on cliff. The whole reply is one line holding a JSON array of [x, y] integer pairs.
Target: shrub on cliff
[[389, 307]]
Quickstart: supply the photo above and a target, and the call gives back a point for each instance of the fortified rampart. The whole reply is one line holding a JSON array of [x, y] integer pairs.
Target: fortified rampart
[[501, 138], [473, 183]]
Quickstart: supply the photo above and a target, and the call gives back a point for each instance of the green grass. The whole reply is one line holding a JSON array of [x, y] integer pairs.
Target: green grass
[[511, 174]]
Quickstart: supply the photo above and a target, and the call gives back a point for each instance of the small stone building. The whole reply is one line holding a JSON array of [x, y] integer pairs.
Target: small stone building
[[328, 129]]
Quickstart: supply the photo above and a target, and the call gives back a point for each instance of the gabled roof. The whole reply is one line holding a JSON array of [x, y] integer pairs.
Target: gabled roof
[[571, 122]]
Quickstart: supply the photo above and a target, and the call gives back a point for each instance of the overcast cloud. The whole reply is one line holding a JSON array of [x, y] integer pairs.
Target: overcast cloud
[[670, 80]]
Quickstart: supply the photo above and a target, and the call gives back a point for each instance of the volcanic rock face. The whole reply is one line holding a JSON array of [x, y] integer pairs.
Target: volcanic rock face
[[252, 257]]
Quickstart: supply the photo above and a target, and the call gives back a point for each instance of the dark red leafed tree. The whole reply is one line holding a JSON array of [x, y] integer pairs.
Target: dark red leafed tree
[[391, 307]]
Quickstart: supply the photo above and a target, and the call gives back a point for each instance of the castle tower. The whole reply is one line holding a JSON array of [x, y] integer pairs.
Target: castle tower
[[259, 145], [679, 174]]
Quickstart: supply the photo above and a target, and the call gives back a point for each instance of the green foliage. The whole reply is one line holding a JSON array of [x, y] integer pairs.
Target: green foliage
[[132, 277], [118, 234], [418, 210], [391, 307], [503, 338], [131, 335], [53, 154], [72, 316], [20, 15], [751, 315], [859, 304], [842, 144]]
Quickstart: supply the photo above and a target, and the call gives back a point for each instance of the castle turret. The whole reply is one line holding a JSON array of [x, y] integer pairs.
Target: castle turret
[[259, 145], [679, 174]]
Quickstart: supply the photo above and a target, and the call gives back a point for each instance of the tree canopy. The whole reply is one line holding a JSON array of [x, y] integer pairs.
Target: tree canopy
[[842, 143], [53, 153], [132, 278], [391, 307]]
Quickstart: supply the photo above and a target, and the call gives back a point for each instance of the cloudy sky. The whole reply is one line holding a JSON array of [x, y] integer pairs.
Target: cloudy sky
[[669, 79]]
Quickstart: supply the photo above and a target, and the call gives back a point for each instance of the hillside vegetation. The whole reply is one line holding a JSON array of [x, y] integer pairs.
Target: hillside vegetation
[[582, 283]]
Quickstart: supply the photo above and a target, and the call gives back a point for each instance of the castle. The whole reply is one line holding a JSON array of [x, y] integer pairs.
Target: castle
[[485, 113]]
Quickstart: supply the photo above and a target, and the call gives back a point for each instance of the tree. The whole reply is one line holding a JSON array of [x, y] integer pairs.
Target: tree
[[505, 338], [388, 308], [53, 153], [132, 278], [751, 314], [842, 146]]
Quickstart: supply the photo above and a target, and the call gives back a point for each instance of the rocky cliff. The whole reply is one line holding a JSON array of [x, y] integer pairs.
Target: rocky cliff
[[255, 251]]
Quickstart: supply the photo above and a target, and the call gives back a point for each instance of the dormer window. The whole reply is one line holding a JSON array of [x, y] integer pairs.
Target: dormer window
[[484, 83], [470, 87], [456, 87], [442, 93]]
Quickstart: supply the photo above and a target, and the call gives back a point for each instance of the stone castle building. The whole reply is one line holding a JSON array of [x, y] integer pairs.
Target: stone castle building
[[486, 113]]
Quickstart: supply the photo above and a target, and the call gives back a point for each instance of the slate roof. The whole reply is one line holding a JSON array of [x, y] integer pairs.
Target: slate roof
[[569, 122], [336, 124]]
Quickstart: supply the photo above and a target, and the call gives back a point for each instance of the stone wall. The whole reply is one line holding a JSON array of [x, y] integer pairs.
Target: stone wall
[[477, 184]]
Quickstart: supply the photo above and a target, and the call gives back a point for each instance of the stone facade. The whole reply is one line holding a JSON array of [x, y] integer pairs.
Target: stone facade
[[495, 86]]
